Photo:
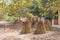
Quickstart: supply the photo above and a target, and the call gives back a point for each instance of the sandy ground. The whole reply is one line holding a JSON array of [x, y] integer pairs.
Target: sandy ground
[[10, 34]]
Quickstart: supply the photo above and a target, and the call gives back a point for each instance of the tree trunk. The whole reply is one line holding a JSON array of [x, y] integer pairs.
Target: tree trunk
[[59, 18]]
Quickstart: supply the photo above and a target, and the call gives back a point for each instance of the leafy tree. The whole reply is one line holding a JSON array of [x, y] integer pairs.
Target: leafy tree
[[45, 7], [34, 8], [38, 8], [51, 6], [2, 10], [16, 8]]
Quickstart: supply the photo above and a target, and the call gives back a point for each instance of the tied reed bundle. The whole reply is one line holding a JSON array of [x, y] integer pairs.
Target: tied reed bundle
[[48, 25], [40, 28], [27, 27]]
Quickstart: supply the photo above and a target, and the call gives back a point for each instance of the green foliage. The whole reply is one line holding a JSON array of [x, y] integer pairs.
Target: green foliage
[[38, 8], [11, 18], [34, 8], [45, 8], [15, 9], [50, 15]]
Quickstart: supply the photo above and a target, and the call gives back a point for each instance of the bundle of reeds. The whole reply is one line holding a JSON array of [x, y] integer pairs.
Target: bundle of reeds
[[40, 28], [48, 25], [27, 27]]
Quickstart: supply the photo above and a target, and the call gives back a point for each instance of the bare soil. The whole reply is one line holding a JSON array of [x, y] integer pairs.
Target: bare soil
[[12, 34]]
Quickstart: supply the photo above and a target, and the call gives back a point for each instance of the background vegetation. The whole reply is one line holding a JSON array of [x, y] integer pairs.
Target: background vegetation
[[12, 9]]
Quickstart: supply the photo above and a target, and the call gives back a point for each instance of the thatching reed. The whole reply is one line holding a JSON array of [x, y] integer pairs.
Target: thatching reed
[[40, 28], [27, 27], [48, 25]]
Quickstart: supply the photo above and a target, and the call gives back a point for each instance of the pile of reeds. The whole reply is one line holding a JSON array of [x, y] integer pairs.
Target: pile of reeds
[[27, 27], [48, 25], [40, 28]]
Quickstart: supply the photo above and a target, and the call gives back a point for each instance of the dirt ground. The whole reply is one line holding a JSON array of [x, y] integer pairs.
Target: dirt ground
[[12, 34]]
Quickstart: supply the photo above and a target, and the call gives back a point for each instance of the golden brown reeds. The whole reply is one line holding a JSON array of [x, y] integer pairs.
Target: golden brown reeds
[[40, 28], [27, 27], [48, 25]]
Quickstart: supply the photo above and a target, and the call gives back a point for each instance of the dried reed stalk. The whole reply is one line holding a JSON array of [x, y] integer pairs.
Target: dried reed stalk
[[40, 28], [27, 27], [48, 25]]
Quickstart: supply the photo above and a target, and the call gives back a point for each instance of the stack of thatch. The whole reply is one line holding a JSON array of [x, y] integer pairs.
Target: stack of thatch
[[48, 25], [27, 27], [40, 28]]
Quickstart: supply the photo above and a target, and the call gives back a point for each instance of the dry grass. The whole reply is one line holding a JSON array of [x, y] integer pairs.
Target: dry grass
[[48, 25], [27, 27], [40, 28]]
